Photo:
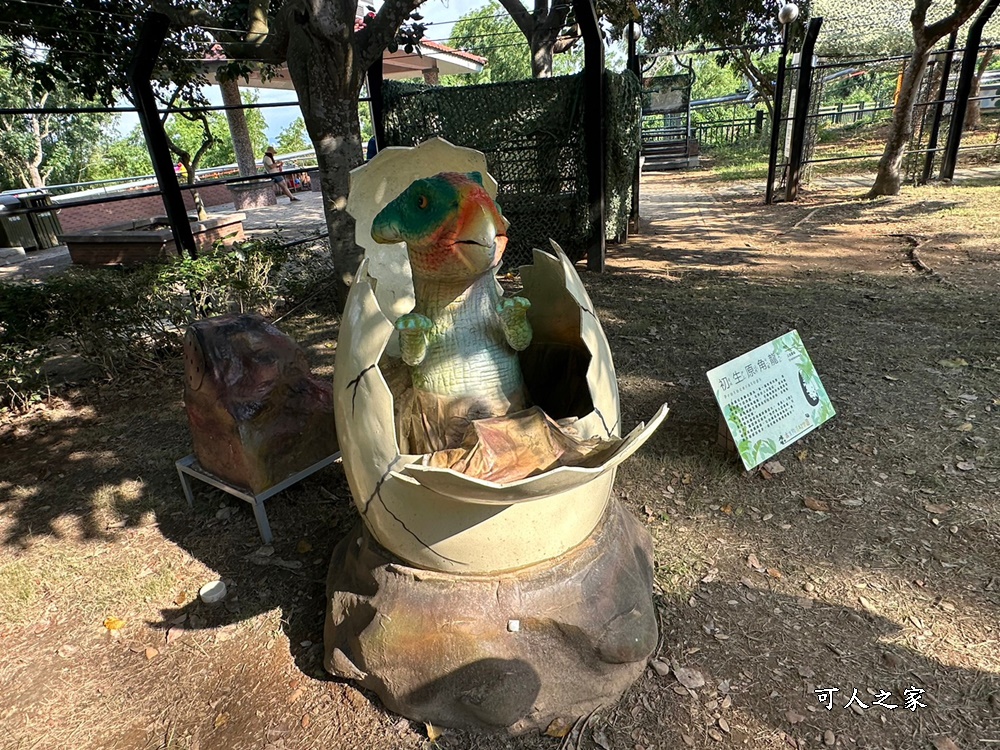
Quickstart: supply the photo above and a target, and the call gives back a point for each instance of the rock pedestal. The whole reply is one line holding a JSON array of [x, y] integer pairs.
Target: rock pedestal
[[513, 650], [257, 414]]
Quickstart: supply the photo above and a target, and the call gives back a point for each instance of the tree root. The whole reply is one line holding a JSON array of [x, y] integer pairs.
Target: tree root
[[916, 243]]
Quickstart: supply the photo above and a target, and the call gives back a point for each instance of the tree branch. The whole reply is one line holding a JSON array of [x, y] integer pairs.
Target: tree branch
[[520, 16]]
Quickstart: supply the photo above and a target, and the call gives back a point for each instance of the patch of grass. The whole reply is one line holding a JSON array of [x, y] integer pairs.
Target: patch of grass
[[18, 592], [740, 162]]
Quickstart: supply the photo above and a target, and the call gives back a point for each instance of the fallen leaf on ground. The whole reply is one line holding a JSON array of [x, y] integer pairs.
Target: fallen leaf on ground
[[433, 733], [774, 572], [221, 720], [937, 509], [944, 743], [296, 695], [306, 721], [67, 650], [173, 634], [113, 623], [558, 728], [794, 717], [955, 362], [817, 505], [964, 427], [304, 547], [965, 466], [774, 467], [689, 678], [724, 725], [601, 740], [752, 561], [151, 653]]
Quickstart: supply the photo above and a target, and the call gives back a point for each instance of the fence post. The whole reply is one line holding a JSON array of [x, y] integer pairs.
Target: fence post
[[636, 67], [779, 86], [758, 123], [964, 88], [800, 118], [140, 71], [932, 138], [377, 105], [593, 127]]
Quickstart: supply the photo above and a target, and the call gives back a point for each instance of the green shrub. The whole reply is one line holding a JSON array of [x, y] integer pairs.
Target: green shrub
[[119, 319]]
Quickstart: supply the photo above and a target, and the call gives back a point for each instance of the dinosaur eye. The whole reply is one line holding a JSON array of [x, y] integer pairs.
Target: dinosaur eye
[[422, 201]]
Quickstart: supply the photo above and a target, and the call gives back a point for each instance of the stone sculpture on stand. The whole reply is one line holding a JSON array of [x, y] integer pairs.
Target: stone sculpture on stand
[[257, 414], [493, 582]]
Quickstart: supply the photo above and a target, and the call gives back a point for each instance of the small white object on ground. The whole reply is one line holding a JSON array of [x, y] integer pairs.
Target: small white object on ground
[[212, 592]]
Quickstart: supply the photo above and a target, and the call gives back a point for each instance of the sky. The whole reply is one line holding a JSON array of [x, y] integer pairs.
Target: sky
[[439, 15]]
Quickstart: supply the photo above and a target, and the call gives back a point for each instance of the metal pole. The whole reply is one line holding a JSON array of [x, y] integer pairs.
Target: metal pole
[[779, 92], [932, 139], [594, 125], [635, 66], [801, 116], [140, 71], [964, 88], [378, 105]]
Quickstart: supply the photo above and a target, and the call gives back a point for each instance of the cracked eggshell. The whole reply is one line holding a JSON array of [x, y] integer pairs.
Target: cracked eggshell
[[439, 519], [424, 527]]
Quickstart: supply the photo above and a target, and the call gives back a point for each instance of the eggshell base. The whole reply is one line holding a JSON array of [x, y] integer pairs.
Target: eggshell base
[[506, 651]]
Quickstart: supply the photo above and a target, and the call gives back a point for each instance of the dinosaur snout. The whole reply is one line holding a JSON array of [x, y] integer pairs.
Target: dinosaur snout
[[385, 230], [479, 228]]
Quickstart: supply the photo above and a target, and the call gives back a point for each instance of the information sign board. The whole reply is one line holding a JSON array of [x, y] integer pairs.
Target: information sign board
[[770, 397]]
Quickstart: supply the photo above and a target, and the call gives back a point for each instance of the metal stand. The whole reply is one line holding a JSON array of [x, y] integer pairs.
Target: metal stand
[[189, 467]]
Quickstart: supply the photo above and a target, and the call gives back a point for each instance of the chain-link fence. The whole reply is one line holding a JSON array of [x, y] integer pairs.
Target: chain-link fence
[[533, 137]]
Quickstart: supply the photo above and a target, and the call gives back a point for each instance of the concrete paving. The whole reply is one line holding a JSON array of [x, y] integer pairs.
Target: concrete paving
[[287, 221]]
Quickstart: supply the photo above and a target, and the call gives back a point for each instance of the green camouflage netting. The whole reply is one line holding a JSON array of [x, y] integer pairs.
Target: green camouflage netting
[[532, 135]]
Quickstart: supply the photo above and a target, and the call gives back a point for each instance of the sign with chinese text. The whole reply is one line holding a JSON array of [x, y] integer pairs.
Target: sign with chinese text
[[770, 397]]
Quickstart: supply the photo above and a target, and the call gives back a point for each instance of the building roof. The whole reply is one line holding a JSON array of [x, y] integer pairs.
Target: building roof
[[399, 64]]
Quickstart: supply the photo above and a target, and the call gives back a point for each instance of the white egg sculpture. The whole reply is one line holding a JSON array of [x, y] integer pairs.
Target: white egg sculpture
[[438, 518]]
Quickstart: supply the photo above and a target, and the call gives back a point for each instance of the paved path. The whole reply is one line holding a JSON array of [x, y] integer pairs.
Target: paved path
[[288, 221], [676, 211]]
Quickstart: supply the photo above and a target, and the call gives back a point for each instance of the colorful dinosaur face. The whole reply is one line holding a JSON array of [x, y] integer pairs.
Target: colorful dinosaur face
[[452, 228]]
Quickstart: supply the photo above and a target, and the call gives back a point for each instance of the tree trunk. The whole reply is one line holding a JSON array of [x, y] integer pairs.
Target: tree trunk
[[975, 113], [889, 178], [33, 165], [242, 144], [542, 43], [323, 66]]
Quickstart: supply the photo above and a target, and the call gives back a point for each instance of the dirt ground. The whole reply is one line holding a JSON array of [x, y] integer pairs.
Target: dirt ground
[[869, 563]]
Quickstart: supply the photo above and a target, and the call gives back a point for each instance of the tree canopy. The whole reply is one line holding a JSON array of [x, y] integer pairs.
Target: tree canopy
[[40, 149]]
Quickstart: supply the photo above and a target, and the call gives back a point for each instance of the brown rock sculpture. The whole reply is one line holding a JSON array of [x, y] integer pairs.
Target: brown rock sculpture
[[514, 650], [257, 415]]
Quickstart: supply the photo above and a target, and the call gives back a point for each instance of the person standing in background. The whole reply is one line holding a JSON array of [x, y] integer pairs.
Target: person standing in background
[[273, 168]]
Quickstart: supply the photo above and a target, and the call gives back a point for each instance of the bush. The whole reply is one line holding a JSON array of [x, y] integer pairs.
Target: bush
[[120, 319]]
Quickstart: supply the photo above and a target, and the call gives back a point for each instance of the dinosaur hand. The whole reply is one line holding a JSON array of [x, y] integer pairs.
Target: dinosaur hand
[[413, 329], [513, 312]]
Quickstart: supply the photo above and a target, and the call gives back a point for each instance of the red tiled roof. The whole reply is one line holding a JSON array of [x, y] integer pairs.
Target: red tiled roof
[[452, 51]]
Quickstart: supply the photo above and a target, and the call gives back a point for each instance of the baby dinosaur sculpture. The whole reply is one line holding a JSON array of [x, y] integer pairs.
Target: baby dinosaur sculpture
[[462, 337]]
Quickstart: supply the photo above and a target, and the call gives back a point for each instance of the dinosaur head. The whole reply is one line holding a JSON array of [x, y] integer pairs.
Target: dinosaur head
[[452, 228]]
